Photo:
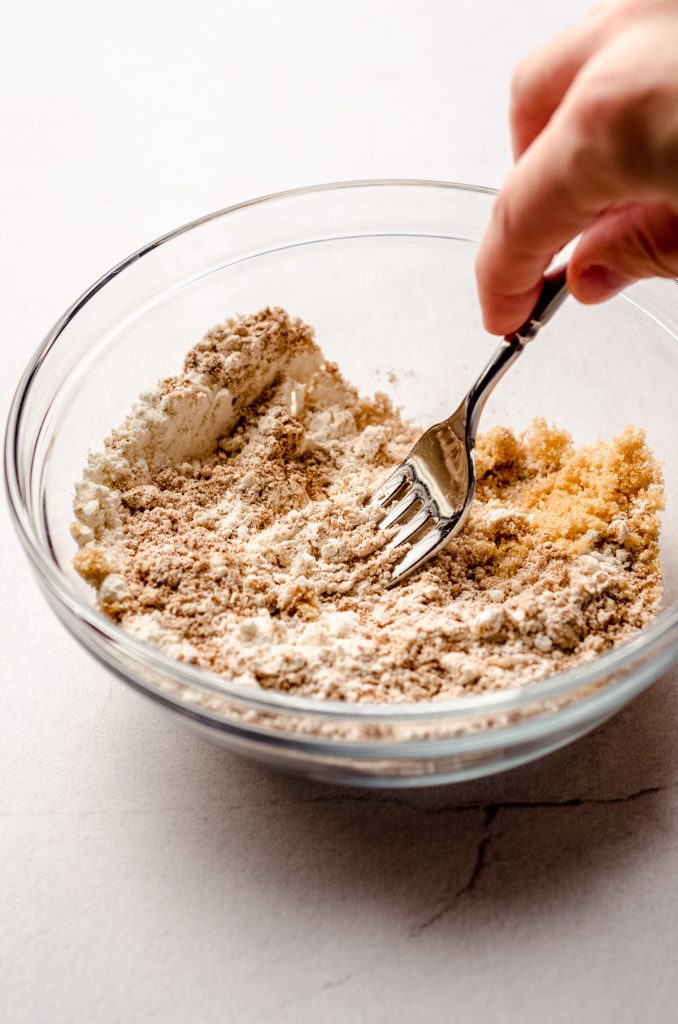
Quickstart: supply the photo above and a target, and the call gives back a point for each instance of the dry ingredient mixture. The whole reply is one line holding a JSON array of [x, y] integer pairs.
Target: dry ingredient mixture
[[227, 523]]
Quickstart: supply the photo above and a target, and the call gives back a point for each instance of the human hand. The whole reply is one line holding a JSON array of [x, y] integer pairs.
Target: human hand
[[594, 122]]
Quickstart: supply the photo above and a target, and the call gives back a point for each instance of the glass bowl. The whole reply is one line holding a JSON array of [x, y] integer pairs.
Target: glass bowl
[[384, 271]]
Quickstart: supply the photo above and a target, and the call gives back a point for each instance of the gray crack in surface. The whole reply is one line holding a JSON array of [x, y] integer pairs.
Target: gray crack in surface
[[491, 810], [483, 805]]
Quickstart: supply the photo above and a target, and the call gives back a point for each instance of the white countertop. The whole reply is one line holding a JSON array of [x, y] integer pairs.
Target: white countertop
[[145, 875]]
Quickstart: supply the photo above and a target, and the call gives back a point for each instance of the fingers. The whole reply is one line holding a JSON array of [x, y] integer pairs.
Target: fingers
[[627, 242], [612, 138], [555, 190], [542, 79]]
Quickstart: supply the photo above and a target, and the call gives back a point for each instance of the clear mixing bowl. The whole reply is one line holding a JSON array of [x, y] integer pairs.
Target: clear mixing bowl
[[384, 271]]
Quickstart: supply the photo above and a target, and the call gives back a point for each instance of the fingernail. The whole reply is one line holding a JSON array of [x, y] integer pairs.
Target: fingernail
[[597, 282]]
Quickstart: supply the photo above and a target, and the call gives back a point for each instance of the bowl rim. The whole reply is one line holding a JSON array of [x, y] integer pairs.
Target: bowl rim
[[663, 631]]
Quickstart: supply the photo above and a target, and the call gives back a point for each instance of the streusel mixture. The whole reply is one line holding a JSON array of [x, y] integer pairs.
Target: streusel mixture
[[227, 523]]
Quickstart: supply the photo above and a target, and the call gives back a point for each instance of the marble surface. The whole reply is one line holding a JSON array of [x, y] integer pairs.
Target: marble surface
[[147, 876]]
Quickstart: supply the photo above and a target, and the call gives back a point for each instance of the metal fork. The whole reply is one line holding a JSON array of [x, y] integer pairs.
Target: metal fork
[[434, 487]]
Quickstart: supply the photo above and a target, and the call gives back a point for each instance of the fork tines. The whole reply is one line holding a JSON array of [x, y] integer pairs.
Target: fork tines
[[415, 510]]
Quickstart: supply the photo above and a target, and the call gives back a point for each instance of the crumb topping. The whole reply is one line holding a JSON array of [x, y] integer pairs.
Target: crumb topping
[[227, 522]]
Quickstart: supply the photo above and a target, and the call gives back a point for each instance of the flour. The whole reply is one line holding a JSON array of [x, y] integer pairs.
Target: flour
[[227, 522]]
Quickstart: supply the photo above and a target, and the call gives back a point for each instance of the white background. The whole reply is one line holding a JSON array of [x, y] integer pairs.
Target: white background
[[143, 875]]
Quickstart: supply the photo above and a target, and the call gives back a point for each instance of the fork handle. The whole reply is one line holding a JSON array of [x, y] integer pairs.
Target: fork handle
[[551, 297]]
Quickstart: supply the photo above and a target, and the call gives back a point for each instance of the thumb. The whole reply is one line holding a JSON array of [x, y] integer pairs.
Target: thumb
[[623, 244]]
